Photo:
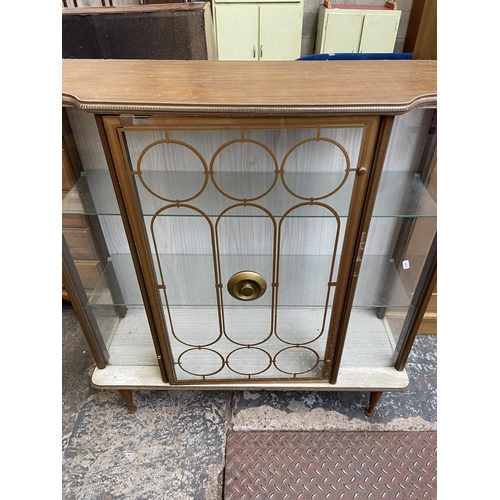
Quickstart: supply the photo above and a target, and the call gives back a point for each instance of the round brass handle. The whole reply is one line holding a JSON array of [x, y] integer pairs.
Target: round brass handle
[[246, 285]]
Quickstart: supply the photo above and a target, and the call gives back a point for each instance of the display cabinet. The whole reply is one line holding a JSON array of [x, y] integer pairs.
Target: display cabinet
[[255, 231]]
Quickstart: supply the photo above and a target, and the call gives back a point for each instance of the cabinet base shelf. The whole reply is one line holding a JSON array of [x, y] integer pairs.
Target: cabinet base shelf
[[369, 348], [116, 377]]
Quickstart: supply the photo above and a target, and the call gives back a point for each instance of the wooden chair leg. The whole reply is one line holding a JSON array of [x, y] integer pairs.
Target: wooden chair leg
[[374, 398], [127, 396]]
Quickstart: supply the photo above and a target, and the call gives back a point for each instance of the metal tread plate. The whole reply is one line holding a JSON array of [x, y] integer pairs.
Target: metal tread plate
[[331, 465]]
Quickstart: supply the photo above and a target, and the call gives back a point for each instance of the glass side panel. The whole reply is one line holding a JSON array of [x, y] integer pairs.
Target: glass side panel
[[84, 247], [397, 247], [91, 195], [93, 229]]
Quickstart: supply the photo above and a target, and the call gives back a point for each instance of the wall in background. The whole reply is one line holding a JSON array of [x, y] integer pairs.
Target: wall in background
[[310, 20]]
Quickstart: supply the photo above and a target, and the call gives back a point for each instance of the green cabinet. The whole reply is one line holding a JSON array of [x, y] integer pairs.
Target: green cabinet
[[258, 31], [369, 30]]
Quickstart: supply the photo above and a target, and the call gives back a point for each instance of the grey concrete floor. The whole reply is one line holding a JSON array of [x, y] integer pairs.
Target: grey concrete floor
[[173, 447]]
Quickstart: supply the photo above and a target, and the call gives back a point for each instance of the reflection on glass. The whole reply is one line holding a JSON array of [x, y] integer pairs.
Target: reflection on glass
[[274, 202], [400, 238]]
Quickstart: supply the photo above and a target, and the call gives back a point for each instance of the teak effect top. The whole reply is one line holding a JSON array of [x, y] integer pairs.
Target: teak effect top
[[141, 87]]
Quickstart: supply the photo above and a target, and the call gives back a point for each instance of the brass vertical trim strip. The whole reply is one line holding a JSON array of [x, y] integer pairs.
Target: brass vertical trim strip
[[78, 298], [132, 201], [133, 249], [419, 303], [349, 244], [374, 175], [128, 187]]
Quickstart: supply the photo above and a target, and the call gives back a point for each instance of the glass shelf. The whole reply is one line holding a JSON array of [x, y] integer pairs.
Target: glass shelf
[[401, 194], [377, 270]]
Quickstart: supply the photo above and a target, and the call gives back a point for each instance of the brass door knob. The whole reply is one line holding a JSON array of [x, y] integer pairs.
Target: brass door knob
[[246, 285]]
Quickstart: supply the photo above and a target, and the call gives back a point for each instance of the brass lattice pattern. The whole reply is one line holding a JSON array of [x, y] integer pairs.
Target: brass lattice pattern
[[207, 354], [325, 465]]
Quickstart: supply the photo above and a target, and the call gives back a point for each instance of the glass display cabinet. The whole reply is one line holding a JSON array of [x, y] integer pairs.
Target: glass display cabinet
[[263, 226]]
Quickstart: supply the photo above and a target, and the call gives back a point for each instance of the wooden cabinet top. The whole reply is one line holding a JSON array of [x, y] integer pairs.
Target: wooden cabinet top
[[347, 87]]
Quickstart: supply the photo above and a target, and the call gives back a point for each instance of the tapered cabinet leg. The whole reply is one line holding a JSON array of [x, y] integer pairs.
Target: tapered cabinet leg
[[374, 397], [127, 396]]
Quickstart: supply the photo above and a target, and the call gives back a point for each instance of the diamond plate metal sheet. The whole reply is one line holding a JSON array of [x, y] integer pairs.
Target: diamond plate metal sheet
[[326, 465]]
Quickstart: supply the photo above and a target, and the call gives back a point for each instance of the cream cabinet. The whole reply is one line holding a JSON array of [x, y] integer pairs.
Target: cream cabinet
[[347, 29], [258, 31], [257, 233]]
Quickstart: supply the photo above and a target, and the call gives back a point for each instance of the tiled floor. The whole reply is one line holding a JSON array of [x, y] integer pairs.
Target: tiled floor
[[174, 446]]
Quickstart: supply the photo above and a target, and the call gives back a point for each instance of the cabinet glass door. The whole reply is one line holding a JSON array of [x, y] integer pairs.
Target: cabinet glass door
[[246, 224]]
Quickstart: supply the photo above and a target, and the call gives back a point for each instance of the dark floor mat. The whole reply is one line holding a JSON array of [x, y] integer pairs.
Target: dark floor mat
[[331, 465]]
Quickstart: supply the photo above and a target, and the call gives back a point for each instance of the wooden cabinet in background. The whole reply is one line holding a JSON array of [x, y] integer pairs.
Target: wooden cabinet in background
[[166, 31], [421, 35]]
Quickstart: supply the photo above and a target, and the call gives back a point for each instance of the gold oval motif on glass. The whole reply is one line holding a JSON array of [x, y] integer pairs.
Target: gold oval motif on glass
[[254, 359], [326, 174], [177, 179], [303, 358], [193, 359], [244, 178]]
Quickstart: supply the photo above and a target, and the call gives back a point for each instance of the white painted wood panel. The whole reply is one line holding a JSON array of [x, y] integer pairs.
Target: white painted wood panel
[[280, 30], [379, 31], [237, 32], [342, 31]]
